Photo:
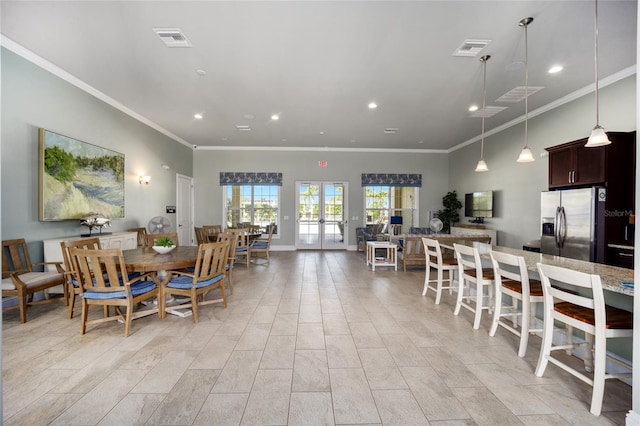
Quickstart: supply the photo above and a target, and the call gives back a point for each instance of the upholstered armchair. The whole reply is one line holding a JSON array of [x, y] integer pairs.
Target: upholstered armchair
[[362, 236]]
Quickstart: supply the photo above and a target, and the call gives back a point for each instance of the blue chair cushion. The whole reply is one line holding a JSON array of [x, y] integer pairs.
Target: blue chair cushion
[[138, 288], [241, 249], [260, 245], [184, 282]]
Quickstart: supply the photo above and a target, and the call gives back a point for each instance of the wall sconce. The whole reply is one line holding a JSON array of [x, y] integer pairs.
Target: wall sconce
[[144, 179]]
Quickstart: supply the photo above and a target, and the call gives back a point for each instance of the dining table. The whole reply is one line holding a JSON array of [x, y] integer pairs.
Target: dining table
[[147, 260]]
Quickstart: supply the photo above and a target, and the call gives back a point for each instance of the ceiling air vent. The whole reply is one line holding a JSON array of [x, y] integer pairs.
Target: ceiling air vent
[[517, 94], [471, 47], [391, 130], [489, 111], [172, 37]]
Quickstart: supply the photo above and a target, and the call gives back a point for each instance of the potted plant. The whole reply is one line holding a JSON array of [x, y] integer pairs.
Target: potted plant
[[449, 215], [163, 245]]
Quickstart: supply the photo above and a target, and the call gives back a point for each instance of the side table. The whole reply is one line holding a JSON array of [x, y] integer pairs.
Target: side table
[[390, 258]]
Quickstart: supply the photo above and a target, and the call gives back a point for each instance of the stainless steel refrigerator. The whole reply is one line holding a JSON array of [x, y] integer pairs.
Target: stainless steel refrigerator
[[573, 223]]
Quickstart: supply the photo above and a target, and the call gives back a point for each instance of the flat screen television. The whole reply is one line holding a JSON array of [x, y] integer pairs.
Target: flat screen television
[[478, 204]]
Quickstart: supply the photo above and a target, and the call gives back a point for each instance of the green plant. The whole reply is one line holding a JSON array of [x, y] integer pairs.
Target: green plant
[[449, 215], [164, 242]]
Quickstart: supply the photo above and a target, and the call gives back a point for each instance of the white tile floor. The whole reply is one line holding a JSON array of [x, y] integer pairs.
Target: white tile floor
[[312, 338]]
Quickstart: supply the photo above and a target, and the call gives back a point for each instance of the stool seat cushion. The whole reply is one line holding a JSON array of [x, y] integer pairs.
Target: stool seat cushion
[[616, 318], [535, 287]]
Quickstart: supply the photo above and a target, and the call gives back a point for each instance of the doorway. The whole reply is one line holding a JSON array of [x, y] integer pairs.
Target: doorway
[[322, 215], [184, 210]]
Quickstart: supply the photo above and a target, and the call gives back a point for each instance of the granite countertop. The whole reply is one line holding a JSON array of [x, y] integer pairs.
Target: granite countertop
[[611, 276]]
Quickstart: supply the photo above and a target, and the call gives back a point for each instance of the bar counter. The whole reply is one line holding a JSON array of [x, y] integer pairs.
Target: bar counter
[[611, 276]]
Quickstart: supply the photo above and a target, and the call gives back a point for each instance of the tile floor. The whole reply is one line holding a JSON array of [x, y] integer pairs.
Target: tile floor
[[312, 338]]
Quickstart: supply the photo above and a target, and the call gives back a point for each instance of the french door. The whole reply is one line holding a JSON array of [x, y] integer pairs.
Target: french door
[[322, 216]]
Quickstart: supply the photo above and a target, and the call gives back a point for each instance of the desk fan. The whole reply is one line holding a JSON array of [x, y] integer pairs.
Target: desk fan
[[435, 225], [159, 225]]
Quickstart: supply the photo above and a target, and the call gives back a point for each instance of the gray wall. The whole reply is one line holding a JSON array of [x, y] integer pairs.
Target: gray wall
[[518, 185], [303, 165], [34, 98]]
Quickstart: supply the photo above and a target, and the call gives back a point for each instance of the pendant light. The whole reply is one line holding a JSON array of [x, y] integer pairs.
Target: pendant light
[[598, 136], [525, 155], [482, 166]]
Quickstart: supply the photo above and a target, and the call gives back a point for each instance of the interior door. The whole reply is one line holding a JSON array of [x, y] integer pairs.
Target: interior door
[[184, 210], [322, 218]]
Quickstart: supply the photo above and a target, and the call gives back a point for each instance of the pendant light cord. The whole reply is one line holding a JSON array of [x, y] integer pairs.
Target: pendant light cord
[[526, 87], [484, 97], [596, 67]]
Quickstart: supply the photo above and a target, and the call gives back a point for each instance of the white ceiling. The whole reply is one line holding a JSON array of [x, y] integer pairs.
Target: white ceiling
[[319, 63]]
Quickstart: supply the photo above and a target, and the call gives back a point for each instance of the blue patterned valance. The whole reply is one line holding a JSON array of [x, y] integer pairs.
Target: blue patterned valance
[[391, 179], [250, 178]]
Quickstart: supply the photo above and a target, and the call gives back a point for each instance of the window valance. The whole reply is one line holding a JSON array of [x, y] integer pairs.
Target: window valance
[[250, 178], [392, 179]]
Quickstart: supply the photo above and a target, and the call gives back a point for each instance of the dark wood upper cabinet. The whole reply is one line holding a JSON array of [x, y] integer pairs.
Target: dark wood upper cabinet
[[573, 165]]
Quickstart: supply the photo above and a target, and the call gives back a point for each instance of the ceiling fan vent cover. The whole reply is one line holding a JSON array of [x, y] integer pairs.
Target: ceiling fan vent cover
[[172, 37], [471, 47]]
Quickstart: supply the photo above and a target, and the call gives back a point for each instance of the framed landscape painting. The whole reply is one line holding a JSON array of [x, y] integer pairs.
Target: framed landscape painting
[[78, 179]]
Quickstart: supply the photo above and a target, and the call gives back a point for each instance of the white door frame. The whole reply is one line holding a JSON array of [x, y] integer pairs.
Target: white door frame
[[322, 243], [184, 225]]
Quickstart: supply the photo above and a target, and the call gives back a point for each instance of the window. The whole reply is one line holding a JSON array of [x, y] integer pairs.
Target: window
[[252, 204], [383, 202]]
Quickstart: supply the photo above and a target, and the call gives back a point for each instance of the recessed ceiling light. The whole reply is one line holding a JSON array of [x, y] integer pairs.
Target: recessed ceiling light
[[201, 72], [420, 141], [473, 108], [321, 133], [275, 117], [372, 105], [283, 140], [554, 69], [198, 116]]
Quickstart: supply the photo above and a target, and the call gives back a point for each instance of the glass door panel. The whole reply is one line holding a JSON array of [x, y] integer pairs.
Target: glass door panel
[[321, 221]]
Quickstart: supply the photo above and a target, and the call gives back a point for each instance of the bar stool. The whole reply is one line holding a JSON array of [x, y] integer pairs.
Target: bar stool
[[586, 312], [512, 279], [470, 270], [435, 259]]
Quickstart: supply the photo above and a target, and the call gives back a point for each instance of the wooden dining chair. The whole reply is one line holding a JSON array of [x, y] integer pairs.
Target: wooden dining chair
[[102, 274], [72, 286], [212, 232], [441, 263], [472, 276], [587, 312], [150, 239], [261, 246], [242, 246], [412, 253], [209, 274], [141, 233], [512, 280], [20, 280], [201, 235], [232, 239]]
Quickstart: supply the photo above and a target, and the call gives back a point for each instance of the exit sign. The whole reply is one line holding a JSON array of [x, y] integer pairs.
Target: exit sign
[[322, 163]]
